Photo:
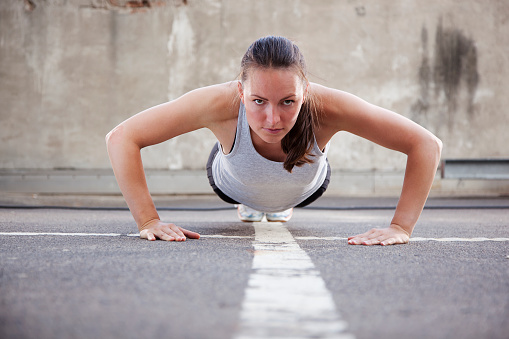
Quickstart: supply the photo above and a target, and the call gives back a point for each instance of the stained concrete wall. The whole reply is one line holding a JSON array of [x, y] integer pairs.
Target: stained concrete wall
[[71, 70]]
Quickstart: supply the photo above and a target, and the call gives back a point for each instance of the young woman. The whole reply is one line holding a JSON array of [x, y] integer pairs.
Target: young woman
[[273, 129]]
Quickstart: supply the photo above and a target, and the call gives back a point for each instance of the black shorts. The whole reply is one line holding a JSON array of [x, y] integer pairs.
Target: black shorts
[[318, 193]]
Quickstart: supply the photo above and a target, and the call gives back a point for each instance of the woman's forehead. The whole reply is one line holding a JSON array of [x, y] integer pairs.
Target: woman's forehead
[[271, 79]]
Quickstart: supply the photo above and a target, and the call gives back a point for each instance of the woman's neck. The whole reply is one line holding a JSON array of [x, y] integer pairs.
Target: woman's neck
[[273, 152]]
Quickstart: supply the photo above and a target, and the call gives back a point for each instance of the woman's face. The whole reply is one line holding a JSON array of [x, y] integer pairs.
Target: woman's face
[[273, 98]]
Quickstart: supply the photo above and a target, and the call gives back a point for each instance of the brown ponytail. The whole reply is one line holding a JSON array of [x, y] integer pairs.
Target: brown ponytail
[[298, 143], [279, 52]]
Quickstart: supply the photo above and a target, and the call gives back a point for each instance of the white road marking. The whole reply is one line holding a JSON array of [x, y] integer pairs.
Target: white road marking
[[111, 235], [286, 297], [459, 239], [226, 236], [64, 234], [320, 238], [478, 239], [220, 236]]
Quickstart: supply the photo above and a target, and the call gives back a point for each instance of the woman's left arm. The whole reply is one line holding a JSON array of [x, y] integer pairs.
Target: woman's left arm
[[347, 112]]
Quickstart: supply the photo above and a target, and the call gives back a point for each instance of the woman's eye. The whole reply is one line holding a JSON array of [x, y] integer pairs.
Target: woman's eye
[[287, 102], [258, 101]]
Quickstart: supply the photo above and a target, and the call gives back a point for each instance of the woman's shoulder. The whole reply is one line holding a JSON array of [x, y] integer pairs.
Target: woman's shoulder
[[336, 103], [220, 100], [224, 89], [327, 96], [338, 109], [220, 104]]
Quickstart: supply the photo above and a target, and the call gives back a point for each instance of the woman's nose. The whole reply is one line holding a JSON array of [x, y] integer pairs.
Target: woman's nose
[[273, 116]]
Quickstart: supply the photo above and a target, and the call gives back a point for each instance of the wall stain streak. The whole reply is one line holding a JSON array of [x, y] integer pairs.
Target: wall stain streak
[[454, 67], [29, 5], [455, 59], [423, 103], [128, 6]]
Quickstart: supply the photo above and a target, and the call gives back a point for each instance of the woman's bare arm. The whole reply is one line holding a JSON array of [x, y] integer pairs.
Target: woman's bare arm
[[205, 107], [349, 113]]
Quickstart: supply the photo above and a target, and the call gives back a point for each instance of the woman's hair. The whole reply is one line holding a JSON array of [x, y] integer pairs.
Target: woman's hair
[[279, 52]]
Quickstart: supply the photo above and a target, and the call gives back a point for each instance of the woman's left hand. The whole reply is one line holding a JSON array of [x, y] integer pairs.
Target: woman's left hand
[[392, 235]]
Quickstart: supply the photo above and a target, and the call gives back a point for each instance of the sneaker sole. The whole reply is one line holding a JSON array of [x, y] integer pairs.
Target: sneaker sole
[[249, 220], [278, 220]]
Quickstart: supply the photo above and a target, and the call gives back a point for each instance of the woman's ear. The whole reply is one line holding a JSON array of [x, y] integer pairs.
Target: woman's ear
[[241, 91]]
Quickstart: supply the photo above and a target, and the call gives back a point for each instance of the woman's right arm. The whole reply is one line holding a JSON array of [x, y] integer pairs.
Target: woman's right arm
[[205, 107]]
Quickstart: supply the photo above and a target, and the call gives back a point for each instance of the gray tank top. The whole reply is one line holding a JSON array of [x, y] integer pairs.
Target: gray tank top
[[264, 185]]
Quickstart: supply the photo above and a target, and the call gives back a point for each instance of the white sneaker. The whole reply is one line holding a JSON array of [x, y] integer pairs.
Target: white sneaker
[[247, 214], [280, 216]]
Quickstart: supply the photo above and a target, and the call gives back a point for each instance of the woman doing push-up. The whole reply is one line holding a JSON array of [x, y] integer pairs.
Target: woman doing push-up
[[273, 128]]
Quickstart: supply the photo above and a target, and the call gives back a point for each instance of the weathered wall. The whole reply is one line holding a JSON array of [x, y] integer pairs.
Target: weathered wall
[[71, 70]]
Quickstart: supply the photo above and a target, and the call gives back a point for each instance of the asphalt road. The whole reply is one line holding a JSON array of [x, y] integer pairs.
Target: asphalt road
[[112, 285]]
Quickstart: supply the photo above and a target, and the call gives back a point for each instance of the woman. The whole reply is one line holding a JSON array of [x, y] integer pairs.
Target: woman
[[273, 129]]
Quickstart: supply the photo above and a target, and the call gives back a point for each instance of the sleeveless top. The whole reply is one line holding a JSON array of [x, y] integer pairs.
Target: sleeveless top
[[262, 184]]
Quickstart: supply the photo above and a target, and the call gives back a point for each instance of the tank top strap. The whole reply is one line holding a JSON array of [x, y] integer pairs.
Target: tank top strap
[[243, 133]]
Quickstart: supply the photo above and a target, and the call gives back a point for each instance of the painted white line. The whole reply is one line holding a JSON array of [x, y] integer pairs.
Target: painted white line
[[217, 236], [226, 236], [64, 234], [459, 239], [478, 239], [220, 236], [286, 297], [320, 238]]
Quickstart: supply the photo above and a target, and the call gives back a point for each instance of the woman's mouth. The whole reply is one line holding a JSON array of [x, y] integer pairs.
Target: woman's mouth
[[273, 130]]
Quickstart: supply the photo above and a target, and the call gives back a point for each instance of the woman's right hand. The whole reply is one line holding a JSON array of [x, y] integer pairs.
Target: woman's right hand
[[156, 229]]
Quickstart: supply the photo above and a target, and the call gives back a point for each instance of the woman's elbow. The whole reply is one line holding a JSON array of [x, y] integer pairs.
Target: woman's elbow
[[438, 145], [114, 137], [427, 147], [108, 137], [434, 148]]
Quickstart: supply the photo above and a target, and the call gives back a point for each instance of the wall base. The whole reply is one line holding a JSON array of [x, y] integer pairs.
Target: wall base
[[343, 183]]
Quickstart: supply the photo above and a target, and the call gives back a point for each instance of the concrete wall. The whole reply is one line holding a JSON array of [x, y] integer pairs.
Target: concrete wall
[[70, 70]]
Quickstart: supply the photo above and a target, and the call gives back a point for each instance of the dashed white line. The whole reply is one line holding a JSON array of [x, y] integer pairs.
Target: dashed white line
[[221, 236], [77, 234], [477, 239], [320, 238], [65, 234], [286, 297], [459, 239]]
